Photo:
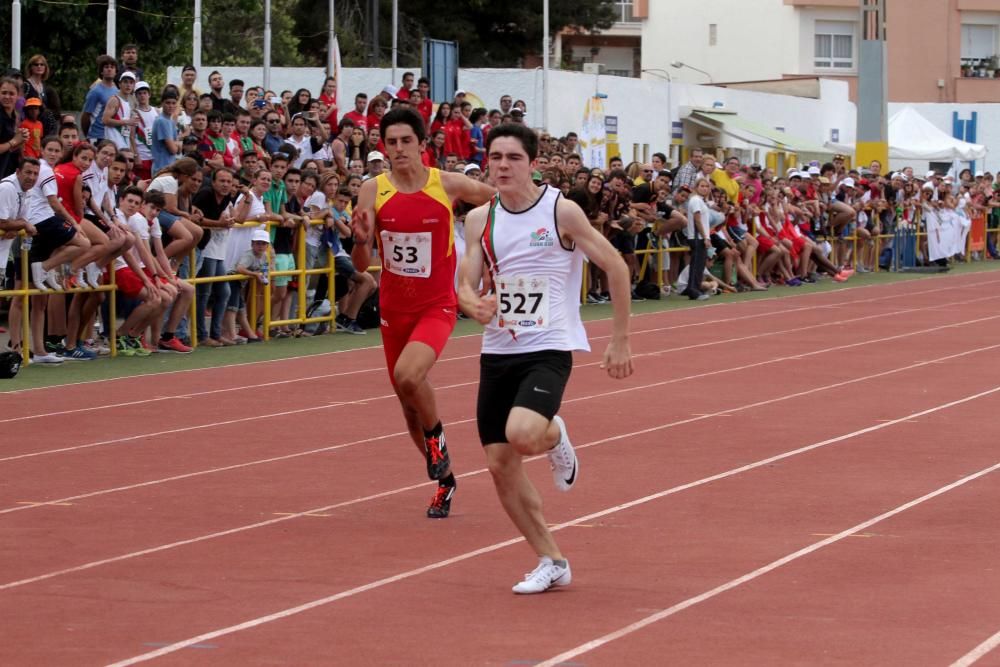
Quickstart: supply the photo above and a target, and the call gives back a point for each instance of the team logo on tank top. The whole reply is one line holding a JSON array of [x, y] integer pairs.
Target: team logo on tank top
[[541, 237]]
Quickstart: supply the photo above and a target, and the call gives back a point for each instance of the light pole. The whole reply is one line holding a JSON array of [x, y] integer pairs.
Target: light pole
[[545, 65], [665, 74], [677, 64]]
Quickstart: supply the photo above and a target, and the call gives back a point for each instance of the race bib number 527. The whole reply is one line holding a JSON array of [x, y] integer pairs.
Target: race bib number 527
[[407, 254], [522, 302]]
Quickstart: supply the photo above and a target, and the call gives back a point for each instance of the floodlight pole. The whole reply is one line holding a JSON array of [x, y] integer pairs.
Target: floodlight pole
[[545, 64]]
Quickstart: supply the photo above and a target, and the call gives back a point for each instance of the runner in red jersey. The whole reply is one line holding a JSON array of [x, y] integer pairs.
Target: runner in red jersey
[[409, 214]]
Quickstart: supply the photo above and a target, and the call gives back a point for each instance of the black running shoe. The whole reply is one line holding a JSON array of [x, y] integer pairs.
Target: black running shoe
[[441, 503], [436, 452]]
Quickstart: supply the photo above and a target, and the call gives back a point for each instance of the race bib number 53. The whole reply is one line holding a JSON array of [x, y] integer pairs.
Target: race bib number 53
[[522, 302], [407, 254]]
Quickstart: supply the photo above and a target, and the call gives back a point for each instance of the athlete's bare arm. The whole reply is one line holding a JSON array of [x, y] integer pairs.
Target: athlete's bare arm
[[575, 228], [461, 187], [363, 225], [480, 308]]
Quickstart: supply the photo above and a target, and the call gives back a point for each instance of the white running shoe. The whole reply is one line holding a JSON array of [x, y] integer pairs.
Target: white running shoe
[[544, 577], [52, 279], [562, 459], [38, 275], [49, 358], [93, 275]]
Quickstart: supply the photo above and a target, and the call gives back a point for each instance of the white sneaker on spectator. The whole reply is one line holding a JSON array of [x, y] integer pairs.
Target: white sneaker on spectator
[[38, 275], [52, 279], [93, 275], [562, 459], [49, 358], [544, 577]]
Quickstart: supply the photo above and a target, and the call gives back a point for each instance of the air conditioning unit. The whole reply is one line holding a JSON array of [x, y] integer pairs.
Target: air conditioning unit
[[593, 68]]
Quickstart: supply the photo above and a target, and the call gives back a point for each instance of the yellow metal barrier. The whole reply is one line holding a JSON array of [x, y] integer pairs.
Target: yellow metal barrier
[[27, 291]]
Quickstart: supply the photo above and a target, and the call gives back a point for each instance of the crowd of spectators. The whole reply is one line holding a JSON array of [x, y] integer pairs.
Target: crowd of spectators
[[236, 173]]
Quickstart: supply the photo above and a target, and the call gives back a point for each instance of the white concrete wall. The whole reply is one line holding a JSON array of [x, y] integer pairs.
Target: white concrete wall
[[751, 45], [644, 108]]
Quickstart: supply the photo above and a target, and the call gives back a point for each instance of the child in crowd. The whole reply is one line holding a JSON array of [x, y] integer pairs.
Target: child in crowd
[[256, 263], [31, 123]]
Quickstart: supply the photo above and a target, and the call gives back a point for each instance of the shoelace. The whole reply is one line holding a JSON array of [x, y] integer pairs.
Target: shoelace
[[540, 573], [440, 496], [560, 456], [434, 449]]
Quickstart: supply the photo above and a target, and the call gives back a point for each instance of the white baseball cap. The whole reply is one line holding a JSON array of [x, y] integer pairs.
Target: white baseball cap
[[391, 90], [472, 167], [931, 174], [260, 235], [847, 182], [127, 75], [814, 171], [142, 85], [375, 155]]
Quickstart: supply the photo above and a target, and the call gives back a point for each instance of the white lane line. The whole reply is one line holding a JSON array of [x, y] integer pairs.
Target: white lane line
[[724, 304], [292, 611], [381, 369], [365, 401], [594, 443], [978, 653], [761, 571]]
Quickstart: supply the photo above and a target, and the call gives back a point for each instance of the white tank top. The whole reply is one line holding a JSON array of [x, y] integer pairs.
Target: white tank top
[[144, 133], [120, 135], [537, 280]]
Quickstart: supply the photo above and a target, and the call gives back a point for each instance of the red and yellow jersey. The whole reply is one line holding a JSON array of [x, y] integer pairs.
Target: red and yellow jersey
[[416, 241]]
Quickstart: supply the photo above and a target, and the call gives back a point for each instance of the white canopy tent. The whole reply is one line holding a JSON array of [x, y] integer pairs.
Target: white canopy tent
[[913, 137]]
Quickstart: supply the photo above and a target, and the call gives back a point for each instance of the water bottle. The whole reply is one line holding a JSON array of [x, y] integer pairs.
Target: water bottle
[[263, 273]]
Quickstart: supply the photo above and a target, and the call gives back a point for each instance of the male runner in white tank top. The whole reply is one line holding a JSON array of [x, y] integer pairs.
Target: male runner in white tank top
[[533, 241]]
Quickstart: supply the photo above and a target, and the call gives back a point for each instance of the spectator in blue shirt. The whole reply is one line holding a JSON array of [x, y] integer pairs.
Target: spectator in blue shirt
[[91, 121], [165, 144]]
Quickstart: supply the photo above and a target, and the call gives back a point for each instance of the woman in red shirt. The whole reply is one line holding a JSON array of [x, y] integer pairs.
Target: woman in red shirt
[[328, 101], [457, 138], [69, 175], [434, 153], [376, 109], [441, 117]]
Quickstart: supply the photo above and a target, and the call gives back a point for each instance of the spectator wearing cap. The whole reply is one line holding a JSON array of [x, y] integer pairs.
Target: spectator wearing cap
[[117, 117], [376, 164], [839, 164], [517, 116], [32, 124], [142, 136], [92, 118], [473, 170]]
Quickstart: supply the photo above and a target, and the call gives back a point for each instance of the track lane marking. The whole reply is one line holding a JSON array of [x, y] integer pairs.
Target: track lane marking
[[409, 574]]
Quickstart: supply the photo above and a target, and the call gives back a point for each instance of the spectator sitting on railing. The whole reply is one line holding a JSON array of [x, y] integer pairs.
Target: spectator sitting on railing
[[184, 233], [138, 275]]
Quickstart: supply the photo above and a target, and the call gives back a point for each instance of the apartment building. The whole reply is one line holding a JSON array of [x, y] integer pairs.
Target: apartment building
[[938, 50]]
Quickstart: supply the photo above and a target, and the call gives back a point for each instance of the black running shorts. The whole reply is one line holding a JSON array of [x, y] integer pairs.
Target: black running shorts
[[533, 380], [53, 233]]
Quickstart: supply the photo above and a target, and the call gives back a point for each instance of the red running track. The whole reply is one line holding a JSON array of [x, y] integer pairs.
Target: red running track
[[807, 480]]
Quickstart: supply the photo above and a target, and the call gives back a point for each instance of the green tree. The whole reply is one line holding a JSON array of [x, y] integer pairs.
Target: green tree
[[72, 35], [233, 33], [489, 33]]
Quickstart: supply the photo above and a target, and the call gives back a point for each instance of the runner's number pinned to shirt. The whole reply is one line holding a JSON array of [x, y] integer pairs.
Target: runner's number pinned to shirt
[[522, 302], [407, 255]]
